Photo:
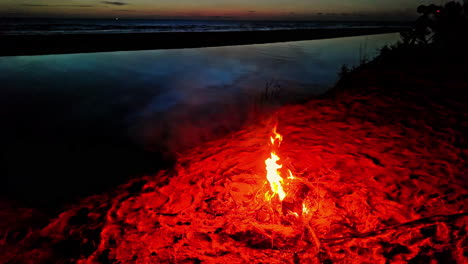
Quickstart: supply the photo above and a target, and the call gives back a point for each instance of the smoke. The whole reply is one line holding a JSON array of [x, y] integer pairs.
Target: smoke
[[170, 128]]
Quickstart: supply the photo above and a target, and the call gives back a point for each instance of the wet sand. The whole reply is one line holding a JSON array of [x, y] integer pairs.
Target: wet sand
[[14, 45]]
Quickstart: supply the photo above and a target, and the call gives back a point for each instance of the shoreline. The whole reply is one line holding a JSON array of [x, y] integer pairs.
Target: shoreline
[[19, 45]]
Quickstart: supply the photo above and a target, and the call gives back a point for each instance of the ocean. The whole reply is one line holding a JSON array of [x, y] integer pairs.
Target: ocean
[[27, 26]]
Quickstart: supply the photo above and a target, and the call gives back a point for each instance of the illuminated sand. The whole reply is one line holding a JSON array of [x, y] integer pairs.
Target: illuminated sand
[[382, 178]]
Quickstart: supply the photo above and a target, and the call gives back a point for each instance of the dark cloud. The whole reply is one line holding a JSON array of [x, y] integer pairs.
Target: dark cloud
[[124, 10], [39, 5], [252, 11], [114, 3], [403, 15], [220, 17]]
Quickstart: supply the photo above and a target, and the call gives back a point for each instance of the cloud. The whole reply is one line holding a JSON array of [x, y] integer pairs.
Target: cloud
[[114, 3], [124, 10], [39, 5], [221, 17]]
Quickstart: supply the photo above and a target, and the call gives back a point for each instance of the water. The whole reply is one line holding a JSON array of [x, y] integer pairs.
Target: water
[[76, 123], [109, 26]]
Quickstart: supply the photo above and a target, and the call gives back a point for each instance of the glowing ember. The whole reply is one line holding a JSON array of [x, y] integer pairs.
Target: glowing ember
[[272, 168]]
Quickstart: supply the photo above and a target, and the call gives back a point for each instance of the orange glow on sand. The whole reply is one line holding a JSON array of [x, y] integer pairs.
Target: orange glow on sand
[[349, 191]]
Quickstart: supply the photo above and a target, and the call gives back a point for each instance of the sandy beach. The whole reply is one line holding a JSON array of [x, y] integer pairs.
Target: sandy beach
[[14, 45]]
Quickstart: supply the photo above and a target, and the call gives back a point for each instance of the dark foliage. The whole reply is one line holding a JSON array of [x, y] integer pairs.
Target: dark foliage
[[441, 26]]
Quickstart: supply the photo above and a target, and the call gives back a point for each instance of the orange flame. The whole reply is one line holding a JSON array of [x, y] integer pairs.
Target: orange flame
[[277, 136], [274, 175], [272, 168]]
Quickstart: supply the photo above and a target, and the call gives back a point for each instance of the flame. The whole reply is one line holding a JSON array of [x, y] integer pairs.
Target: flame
[[272, 168], [274, 177], [277, 136]]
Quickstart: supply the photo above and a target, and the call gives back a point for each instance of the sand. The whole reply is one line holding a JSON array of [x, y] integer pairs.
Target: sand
[[13, 45]]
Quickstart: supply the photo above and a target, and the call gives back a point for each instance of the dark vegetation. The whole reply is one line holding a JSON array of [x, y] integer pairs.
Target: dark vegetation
[[439, 36]]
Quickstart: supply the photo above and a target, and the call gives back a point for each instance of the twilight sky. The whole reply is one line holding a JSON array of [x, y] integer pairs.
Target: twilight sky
[[217, 9]]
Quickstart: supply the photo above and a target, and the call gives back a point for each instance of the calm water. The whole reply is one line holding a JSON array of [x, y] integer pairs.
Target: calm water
[[107, 115]]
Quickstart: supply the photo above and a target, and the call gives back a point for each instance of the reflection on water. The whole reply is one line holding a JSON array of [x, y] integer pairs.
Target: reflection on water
[[58, 105]]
